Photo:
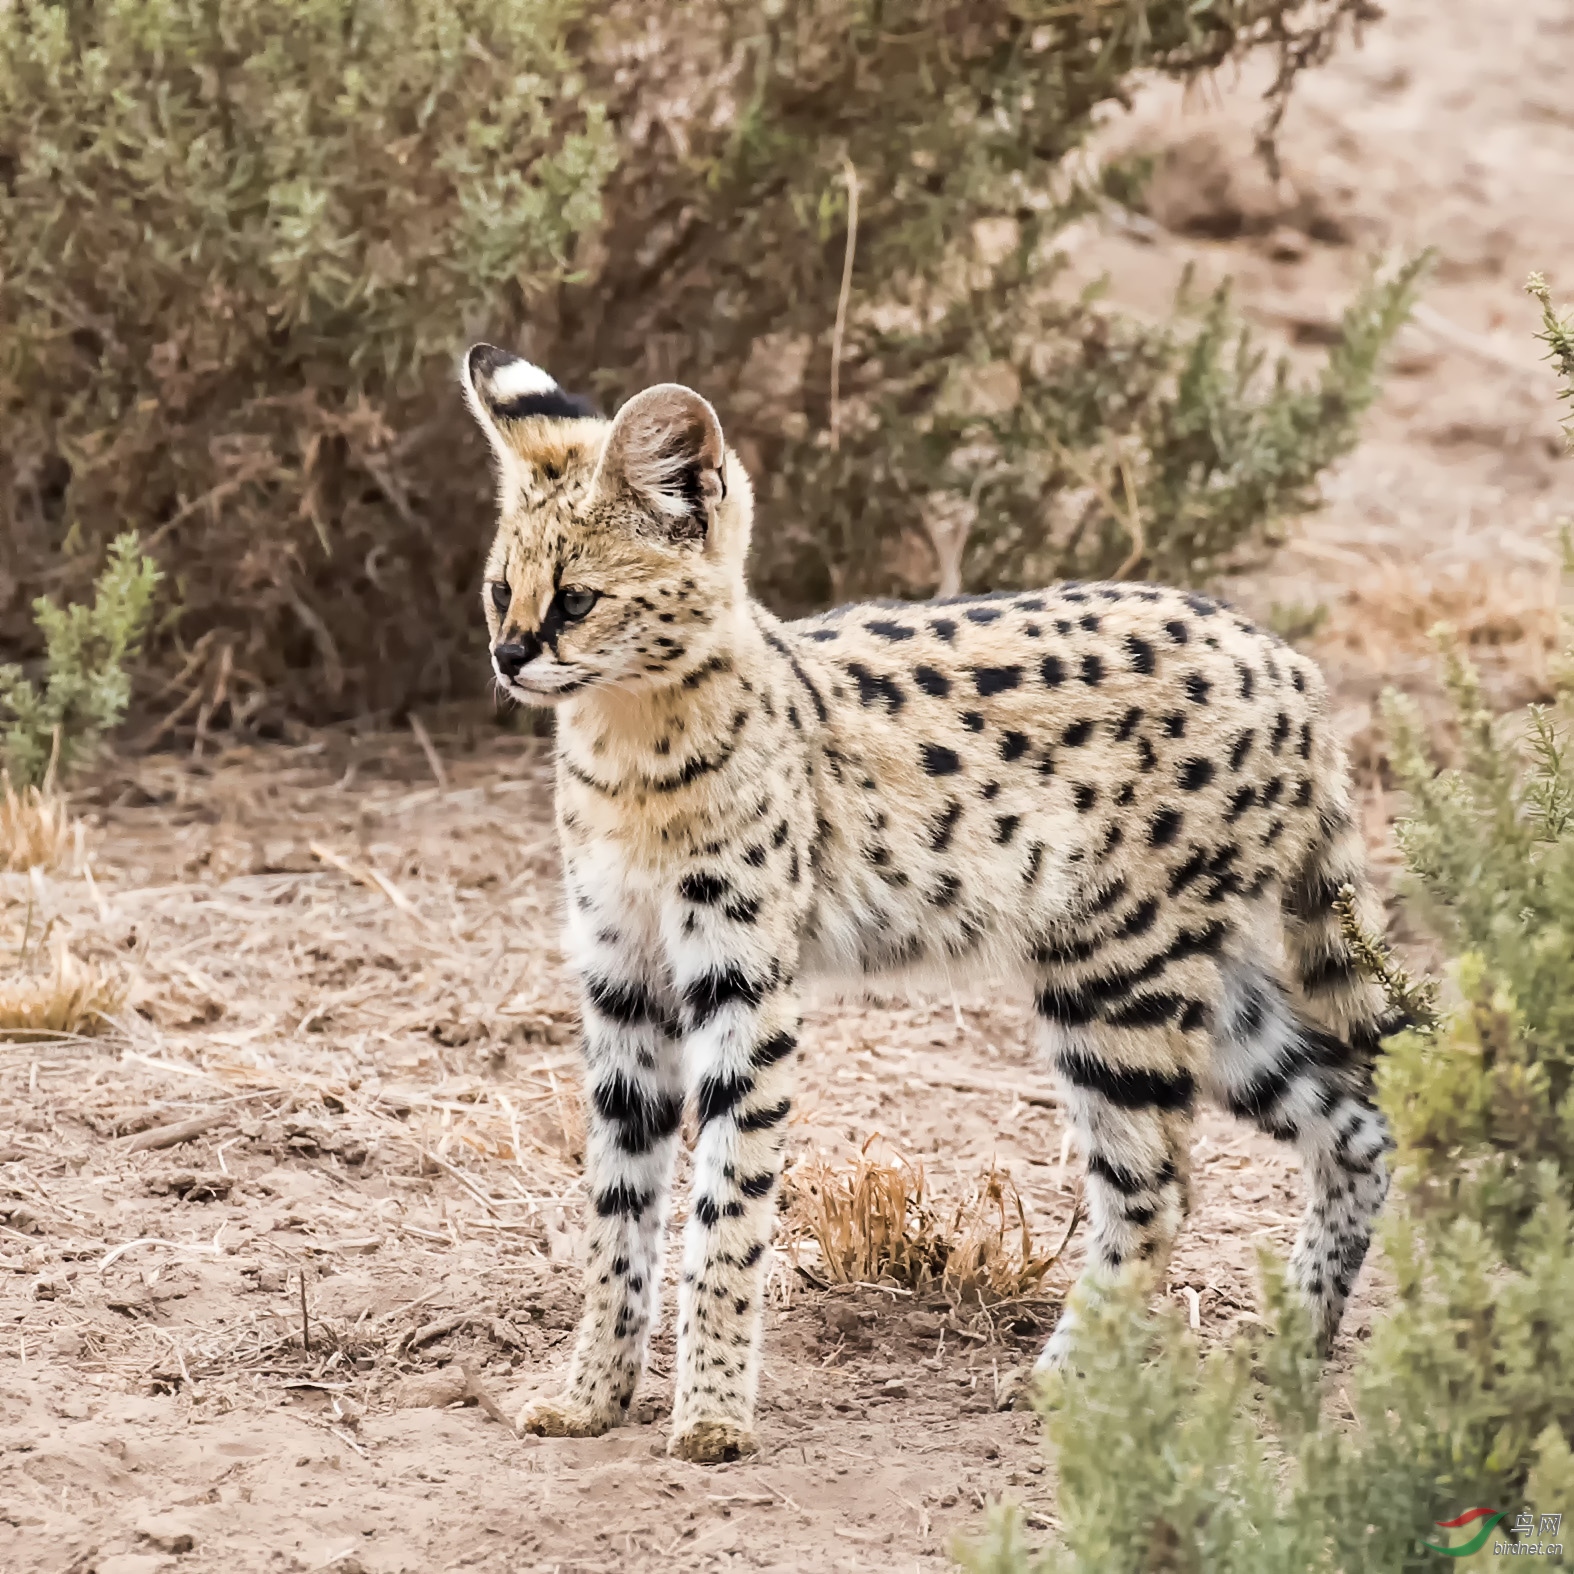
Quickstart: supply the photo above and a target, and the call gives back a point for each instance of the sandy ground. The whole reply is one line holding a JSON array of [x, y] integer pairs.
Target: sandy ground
[[260, 1347]]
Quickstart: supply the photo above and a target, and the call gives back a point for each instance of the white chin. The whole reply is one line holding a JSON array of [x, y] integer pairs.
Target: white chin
[[553, 696]]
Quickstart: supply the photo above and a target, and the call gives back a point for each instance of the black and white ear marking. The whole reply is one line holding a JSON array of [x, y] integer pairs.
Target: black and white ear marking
[[666, 449], [502, 389]]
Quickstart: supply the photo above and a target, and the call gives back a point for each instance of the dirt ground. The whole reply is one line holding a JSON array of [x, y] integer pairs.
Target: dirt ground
[[261, 1347]]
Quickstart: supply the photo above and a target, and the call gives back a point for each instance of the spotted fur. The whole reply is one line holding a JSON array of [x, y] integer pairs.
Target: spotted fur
[[1126, 797]]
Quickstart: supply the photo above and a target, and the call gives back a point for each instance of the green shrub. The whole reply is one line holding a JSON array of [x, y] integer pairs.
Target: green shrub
[[1557, 333], [242, 240], [1465, 1396], [46, 732]]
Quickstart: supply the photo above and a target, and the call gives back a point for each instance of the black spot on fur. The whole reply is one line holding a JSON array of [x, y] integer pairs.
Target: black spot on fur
[[1177, 631], [943, 825], [891, 631], [622, 1200], [1006, 828], [1197, 688], [1092, 669], [946, 890], [1163, 827], [1084, 796], [876, 687], [945, 628], [1053, 671], [1240, 801], [1014, 745], [710, 992], [973, 720], [1128, 724], [640, 1119], [627, 1003], [938, 761], [932, 682], [1241, 748], [1195, 774], [706, 889], [1141, 653], [1077, 733], [718, 1096], [996, 680]]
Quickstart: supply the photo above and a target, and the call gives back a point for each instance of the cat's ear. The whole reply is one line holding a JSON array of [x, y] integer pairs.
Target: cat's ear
[[666, 454], [517, 405]]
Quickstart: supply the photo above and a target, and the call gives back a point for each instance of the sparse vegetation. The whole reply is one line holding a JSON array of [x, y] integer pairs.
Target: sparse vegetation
[[1557, 333], [37, 830], [68, 997], [874, 1222], [47, 728]]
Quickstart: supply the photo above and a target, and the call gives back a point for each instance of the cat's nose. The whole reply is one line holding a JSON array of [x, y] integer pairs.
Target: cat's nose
[[511, 657]]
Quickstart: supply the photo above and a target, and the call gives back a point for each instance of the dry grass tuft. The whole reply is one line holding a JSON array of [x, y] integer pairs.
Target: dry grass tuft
[[873, 1223], [1509, 611], [73, 998], [37, 831]]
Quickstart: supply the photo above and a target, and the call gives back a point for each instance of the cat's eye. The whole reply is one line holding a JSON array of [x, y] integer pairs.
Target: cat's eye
[[500, 596], [576, 603]]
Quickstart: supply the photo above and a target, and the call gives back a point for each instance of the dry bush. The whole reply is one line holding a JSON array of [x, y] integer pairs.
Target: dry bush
[[240, 244], [873, 1223], [73, 997], [37, 830]]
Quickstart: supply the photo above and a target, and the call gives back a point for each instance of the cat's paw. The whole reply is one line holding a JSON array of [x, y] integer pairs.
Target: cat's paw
[[712, 1443], [560, 1418]]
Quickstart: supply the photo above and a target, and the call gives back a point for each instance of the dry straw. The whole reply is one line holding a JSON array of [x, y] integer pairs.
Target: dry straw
[[872, 1222], [37, 831], [74, 997]]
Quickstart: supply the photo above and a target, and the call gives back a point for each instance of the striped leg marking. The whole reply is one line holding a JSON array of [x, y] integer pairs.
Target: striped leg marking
[[1302, 1084], [634, 1087], [742, 1031]]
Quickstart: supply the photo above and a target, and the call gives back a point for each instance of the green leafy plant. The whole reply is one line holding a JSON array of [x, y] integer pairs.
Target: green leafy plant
[[1557, 333], [47, 731]]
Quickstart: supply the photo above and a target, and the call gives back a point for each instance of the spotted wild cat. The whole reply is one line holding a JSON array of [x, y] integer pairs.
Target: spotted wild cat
[[1127, 797]]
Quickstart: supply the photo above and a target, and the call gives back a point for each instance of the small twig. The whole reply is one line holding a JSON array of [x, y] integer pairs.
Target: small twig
[[365, 875], [842, 298], [1139, 545], [464, 1180], [476, 1390], [180, 1131], [429, 749], [151, 1240], [306, 1327]]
